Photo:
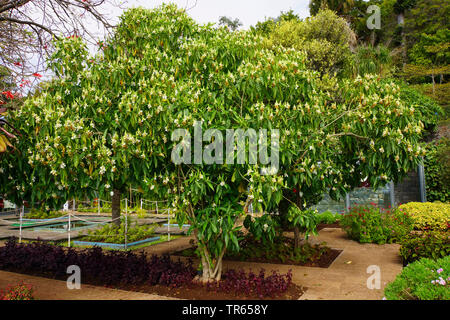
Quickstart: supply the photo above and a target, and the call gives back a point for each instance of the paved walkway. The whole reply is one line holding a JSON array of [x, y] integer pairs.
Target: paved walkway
[[345, 279]]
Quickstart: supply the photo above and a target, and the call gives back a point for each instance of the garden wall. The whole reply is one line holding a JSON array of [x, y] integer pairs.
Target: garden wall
[[405, 191]]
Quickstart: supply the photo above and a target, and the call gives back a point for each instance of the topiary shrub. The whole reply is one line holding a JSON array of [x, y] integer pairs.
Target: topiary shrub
[[428, 215], [425, 279]]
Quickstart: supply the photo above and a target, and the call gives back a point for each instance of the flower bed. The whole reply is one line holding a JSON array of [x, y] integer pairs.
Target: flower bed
[[370, 224], [130, 271], [21, 291]]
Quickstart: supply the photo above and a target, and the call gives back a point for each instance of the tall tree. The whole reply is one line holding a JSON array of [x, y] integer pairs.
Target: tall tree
[[123, 118], [28, 26], [341, 7]]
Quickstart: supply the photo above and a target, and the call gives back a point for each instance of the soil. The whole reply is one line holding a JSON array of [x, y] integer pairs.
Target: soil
[[321, 226], [199, 292]]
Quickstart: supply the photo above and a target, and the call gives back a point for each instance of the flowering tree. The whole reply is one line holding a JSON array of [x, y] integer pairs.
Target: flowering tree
[[118, 119]]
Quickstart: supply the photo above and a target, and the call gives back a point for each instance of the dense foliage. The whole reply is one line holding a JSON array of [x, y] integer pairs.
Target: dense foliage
[[425, 279], [328, 217], [106, 122], [116, 268], [324, 37], [428, 215], [40, 214], [370, 224], [110, 233], [251, 284], [437, 170], [431, 244], [99, 267], [280, 250]]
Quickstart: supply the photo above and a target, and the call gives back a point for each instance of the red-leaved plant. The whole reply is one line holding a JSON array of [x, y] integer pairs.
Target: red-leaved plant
[[20, 291]]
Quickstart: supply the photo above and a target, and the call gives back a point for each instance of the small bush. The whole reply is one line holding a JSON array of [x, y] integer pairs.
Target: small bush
[[112, 234], [428, 215], [21, 291], [425, 279], [370, 224], [431, 244], [38, 214], [328, 217]]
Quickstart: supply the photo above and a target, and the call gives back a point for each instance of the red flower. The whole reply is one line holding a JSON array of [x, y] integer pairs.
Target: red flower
[[8, 94], [17, 64], [37, 75], [294, 190]]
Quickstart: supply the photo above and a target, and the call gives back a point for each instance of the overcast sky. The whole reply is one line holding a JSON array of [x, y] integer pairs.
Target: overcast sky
[[248, 11]]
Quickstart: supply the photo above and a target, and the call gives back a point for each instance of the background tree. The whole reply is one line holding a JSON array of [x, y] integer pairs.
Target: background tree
[[28, 26], [266, 27], [231, 23], [341, 7], [325, 37]]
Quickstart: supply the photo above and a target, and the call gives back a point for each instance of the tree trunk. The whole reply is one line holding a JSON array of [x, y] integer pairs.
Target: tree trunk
[[115, 207], [298, 202], [434, 85], [372, 38], [210, 272], [296, 238]]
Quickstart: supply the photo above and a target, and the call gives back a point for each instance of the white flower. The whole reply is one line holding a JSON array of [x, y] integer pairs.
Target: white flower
[[63, 165], [111, 193], [222, 183], [107, 186], [102, 170]]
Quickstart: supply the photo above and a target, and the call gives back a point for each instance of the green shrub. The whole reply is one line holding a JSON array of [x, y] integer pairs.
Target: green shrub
[[328, 217], [431, 244], [370, 224], [437, 170], [112, 234], [428, 215], [325, 38], [425, 279], [38, 214]]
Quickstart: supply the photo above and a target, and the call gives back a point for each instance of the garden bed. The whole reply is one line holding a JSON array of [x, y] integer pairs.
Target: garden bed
[[317, 255], [200, 292], [141, 273]]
